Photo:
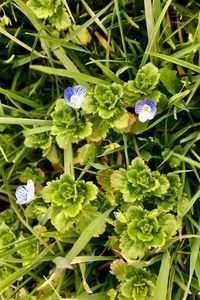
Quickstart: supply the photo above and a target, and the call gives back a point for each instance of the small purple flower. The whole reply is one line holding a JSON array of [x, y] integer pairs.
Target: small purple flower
[[146, 110], [74, 96], [25, 192]]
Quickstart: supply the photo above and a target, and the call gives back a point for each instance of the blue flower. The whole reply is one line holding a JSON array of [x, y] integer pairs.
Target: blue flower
[[146, 110], [25, 193], [74, 96]]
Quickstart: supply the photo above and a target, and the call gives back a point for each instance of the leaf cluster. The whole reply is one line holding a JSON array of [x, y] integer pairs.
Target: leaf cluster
[[67, 199]]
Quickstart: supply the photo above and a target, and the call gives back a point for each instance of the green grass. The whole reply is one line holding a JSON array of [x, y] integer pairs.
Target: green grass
[[38, 61]]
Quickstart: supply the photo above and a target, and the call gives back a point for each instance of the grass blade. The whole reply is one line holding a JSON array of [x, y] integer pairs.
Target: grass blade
[[176, 61], [19, 98], [162, 280], [69, 74], [22, 121], [154, 33]]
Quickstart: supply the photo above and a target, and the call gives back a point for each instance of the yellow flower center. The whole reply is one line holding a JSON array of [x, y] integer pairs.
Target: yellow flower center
[[74, 99], [146, 108]]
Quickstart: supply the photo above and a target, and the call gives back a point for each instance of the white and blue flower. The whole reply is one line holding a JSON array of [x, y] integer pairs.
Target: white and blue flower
[[25, 192], [74, 96], [146, 110]]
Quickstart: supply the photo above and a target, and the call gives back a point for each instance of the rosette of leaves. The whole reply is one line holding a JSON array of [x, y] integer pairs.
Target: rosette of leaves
[[69, 124], [140, 230], [68, 198], [135, 283], [40, 140], [51, 9], [143, 86], [167, 201], [105, 102], [139, 181]]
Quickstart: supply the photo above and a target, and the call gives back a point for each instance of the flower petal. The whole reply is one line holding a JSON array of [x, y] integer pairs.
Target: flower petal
[[143, 116], [139, 106], [21, 194], [151, 115], [80, 91], [31, 190], [25, 193]]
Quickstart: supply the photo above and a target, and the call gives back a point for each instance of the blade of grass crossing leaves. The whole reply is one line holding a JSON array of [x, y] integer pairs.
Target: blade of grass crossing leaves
[[82, 241], [162, 281]]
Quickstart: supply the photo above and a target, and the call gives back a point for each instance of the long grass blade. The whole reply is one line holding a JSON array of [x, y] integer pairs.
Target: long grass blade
[[162, 280], [176, 61], [69, 74]]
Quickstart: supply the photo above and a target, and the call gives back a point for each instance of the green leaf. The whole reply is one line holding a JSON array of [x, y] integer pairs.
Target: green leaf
[[60, 19], [170, 80], [86, 153], [43, 8], [146, 79], [99, 129]]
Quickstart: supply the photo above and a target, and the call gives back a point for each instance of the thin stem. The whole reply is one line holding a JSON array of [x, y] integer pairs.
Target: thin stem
[[126, 150]]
